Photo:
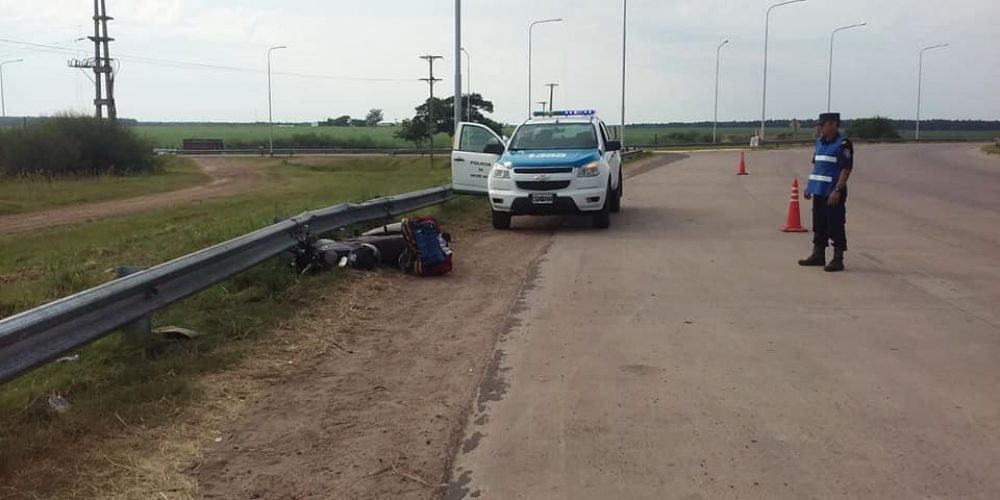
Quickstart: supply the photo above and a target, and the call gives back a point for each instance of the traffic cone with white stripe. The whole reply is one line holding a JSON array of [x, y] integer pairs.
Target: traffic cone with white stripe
[[743, 164], [793, 223]]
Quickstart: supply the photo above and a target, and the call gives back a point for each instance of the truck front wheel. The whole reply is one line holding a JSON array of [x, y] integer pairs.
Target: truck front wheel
[[602, 218], [501, 220]]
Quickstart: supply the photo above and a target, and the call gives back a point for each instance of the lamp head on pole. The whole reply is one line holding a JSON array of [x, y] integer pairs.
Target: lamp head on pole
[[553, 20], [779, 4], [938, 46]]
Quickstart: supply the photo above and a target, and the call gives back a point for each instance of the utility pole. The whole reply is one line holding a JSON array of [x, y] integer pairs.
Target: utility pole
[[430, 102], [551, 87], [101, 64]]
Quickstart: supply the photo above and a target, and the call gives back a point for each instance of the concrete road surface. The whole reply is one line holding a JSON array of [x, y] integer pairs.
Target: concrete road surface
[[683, 353]]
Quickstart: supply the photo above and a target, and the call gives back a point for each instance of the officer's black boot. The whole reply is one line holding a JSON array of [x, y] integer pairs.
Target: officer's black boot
[[818, 257], [837, 263]]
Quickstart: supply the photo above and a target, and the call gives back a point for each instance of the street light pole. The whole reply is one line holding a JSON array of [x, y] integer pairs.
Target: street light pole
[[829, 85], [530, 28], [3, 104], [468, 85], [457, 98], [715, 116], [543, 103], [270, 115], [767, 27], [621, 136], [920, 80]]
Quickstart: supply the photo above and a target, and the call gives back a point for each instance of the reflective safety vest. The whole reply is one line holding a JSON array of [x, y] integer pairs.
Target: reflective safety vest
[[826, 167]]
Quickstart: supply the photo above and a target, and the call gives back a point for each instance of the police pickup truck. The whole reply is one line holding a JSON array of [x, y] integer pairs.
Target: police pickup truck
[[561, 162]]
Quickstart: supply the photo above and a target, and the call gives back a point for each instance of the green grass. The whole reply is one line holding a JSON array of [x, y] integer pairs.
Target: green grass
[[28, 195], [993, 150], [172, 136], [109, 380]]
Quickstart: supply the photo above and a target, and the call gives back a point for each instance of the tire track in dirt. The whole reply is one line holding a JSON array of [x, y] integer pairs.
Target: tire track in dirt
[[228, 177], [382, 421]]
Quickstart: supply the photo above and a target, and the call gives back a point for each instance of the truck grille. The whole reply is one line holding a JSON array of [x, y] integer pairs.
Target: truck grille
[[544, 170], [542, 185]]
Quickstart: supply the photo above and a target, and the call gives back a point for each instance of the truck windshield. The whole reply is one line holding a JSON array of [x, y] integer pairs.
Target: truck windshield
[[554, 136]]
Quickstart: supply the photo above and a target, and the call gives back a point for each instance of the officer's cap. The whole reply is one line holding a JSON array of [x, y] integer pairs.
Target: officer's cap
[[829, 117]]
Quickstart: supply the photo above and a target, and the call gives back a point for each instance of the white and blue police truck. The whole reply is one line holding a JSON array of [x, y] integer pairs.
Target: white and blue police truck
[[558, 162]]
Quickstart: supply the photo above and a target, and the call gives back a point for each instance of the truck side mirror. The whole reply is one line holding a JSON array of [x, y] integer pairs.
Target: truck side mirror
[[613, 145], [494, 148]]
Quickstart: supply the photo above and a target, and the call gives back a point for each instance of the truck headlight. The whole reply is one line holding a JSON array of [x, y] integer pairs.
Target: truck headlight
[[501, 171], [592, 169]]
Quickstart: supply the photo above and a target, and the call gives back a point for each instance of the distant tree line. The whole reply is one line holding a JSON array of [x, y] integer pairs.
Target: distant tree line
[[372, 119], [935, 124]]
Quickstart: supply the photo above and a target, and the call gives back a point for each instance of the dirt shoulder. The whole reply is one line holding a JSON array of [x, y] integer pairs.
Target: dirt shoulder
[[381, 420], [228, 177]]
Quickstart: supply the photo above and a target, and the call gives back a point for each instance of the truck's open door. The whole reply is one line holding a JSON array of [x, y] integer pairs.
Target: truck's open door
[[475, 151]]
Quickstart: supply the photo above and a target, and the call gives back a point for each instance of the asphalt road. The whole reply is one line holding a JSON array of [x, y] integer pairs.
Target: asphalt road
[[683, 353]]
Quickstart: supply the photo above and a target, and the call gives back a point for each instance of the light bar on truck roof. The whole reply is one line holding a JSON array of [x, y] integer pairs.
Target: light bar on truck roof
[[567, 112]]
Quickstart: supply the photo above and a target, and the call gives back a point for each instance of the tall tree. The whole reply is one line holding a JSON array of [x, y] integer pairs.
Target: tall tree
[[444, 120], [374, 117], [413, 130]]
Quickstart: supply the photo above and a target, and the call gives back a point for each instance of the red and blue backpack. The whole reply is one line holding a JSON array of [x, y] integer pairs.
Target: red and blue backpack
[[427, 252]]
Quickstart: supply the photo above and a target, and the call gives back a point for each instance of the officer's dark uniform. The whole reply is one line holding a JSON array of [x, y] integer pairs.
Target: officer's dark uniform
[[829, 160]]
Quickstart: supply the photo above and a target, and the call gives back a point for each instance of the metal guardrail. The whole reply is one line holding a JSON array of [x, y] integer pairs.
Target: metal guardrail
[[632, 152], [34, 337], [298, 151]]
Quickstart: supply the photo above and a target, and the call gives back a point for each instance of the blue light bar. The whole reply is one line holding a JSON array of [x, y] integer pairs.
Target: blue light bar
[[567, 112]]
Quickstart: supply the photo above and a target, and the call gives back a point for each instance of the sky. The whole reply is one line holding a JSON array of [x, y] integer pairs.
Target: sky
[[346, 57]]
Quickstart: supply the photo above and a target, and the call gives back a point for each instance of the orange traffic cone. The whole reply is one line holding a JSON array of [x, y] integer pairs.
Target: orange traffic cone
[[743, 164], [793, 224]]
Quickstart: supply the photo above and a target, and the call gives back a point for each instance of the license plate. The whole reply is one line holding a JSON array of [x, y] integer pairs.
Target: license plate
[[543, 199]]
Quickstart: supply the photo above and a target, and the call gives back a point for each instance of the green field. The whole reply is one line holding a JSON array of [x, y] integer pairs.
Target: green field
[[108, 379], [172, 136], [27, 195]]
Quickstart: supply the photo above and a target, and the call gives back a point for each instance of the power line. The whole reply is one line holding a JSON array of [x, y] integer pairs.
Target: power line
[[40, 47]]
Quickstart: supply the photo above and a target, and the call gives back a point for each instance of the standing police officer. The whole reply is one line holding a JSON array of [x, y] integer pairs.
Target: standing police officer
[[827, 188]]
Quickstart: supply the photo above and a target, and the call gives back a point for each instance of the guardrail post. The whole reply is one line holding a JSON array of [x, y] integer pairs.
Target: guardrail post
[[139, 333]]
